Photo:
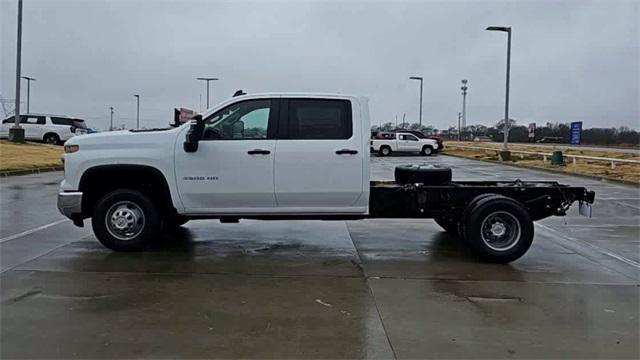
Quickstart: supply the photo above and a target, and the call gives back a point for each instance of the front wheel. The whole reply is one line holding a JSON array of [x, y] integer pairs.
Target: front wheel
[[498, 229], [125, 220], [427, 150]]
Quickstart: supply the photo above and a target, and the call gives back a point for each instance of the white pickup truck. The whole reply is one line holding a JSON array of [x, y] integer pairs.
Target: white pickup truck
[[284, 156], [404, 142]]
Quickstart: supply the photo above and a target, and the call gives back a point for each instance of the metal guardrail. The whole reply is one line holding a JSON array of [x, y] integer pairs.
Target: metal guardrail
[[574, 158]]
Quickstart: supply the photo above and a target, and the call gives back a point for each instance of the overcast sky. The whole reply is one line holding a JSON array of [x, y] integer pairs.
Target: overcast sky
[[571, 60]]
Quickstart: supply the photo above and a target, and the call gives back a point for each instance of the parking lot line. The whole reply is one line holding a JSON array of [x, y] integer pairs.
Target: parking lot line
[[593, 247], [31, 231]]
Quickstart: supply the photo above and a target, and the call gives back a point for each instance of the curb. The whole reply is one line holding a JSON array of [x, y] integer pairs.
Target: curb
[[31, 171], [593, 177]]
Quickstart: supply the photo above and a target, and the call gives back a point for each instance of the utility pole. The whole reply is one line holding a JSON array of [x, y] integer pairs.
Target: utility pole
[[459, 131], [505, 154], [111, 120], [207, 79], [464, 103], [29, 80], [419, 78], [137, 111], [16, 133]]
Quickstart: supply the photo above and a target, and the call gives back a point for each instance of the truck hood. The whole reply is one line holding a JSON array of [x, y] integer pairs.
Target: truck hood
[[120, 138]]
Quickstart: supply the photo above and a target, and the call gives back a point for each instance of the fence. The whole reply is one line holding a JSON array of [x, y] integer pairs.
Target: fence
[[544, 156]]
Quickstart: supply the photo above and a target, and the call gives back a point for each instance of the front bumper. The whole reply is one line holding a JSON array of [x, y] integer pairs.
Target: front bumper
[[70, 204]]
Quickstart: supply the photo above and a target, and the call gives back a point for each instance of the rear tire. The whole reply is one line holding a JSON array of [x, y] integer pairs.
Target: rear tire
[[385, 151], [51, 139], [498, 229], [125, 220]]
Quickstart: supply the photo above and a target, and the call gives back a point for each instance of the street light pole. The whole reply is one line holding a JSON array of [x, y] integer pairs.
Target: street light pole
[[464, 102], [111, 119], [29, 80], [16, 133], [137, 111], [505, 154], [207, 79], [419, 78], [459, 117]]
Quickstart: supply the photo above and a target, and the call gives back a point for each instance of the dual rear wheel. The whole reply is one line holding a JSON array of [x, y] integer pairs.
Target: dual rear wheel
[[496, 228]]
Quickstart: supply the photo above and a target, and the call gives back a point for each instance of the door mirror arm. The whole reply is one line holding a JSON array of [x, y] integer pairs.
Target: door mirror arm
[[194, 134]]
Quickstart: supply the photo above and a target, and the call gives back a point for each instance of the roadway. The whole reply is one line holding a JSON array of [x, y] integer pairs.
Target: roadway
[[372, 288]]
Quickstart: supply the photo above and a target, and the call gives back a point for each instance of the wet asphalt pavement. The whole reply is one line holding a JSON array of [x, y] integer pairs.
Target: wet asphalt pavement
[[314, 289]]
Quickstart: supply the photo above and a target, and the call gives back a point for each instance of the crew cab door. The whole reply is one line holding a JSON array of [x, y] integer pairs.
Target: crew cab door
[[232, 170], [408, 142], [320, 156]]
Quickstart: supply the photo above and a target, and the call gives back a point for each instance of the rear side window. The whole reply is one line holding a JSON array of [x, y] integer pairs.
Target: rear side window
[[62, 121], [319, 119], [36, 120], [9, 120]]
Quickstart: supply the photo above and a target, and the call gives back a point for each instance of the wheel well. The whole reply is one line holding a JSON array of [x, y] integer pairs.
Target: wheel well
[[385, 146], [50, 133], [99, 180]]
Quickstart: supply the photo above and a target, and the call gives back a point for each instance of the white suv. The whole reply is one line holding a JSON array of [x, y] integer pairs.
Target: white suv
[[51, 129]]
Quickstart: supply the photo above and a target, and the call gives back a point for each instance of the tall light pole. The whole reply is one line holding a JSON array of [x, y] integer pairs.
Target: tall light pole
[[464, 102], [29, 80], [505, 154], [207, 79], [16, 133], [419, 78], [459, 117], [137, 111], [111, 119]]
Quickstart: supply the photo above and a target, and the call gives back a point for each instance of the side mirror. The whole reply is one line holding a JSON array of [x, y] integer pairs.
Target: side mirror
[[194, 134]]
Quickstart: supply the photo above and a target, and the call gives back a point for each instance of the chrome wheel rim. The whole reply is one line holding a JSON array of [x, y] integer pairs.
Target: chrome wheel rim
[[500, 231], [125, 220], [427, 151], [385, 151], [50, 140]]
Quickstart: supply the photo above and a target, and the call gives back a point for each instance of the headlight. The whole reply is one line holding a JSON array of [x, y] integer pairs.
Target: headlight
[[71, 148]]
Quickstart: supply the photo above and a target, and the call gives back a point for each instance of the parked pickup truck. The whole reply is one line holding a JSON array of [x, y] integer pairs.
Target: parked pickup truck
[[404, 142], [285, 156]]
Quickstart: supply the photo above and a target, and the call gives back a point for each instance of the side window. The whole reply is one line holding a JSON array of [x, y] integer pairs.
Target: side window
[[34, 120], [10, 120], [319, 119], [62, 121], [410, 137], [243, 120]]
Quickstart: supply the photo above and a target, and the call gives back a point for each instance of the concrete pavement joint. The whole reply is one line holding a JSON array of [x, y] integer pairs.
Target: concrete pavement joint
[[31, 231]]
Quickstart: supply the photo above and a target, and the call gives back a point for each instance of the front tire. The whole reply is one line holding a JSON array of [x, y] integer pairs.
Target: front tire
[[125, 220], [427, 150], [498, 229]]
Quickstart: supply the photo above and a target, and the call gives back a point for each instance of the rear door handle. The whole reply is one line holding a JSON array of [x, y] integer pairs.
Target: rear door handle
[[346, 151], [258, 152]]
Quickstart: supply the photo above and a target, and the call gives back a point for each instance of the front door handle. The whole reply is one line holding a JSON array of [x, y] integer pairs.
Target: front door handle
[[346, 151], [258, 152]]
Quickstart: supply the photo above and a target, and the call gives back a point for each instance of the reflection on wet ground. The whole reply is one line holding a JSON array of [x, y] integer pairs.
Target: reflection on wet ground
[[314, 289]]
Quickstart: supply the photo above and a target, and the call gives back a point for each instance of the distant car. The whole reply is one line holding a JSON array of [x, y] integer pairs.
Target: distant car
[[51, 129], [404, 142], [551, 140], [419, 134]]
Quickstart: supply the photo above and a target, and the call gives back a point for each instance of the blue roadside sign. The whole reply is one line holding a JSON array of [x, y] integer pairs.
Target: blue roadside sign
[[576, 131]]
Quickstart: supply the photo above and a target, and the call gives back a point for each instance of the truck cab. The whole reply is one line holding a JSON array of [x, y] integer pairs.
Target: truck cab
[[262, 154]]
